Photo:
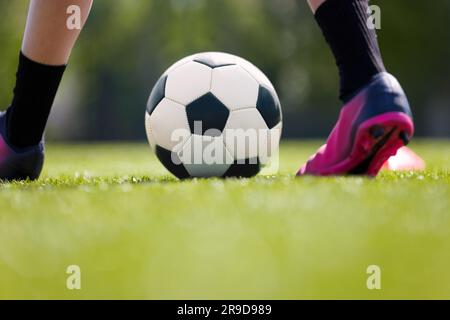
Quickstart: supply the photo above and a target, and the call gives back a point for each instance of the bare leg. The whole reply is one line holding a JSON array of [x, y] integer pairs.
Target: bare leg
[[47, 39]]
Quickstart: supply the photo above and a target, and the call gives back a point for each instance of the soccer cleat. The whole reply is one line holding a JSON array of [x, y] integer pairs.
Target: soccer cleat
[[371, 128], [19, 164]]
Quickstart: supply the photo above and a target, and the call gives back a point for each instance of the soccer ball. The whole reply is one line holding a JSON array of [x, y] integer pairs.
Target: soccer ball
[[214, 115]]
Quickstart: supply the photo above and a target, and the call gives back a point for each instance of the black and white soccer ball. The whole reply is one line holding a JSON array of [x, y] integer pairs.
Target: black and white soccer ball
[[214, 115]]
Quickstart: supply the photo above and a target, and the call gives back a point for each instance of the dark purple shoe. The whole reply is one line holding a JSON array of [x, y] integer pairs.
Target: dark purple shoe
[[19, 164]]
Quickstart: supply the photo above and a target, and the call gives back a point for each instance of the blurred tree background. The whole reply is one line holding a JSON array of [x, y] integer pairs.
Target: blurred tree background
[[127, 44]]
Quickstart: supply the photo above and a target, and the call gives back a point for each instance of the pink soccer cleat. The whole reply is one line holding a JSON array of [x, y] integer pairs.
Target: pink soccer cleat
[[371, 128]]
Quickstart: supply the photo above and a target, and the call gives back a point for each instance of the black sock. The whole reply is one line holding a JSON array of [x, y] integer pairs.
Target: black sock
[[354, 45], [35, 91]]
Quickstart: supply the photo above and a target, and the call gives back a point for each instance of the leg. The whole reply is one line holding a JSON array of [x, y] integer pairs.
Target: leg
[[47, 39], [46, 49], [376, 119]]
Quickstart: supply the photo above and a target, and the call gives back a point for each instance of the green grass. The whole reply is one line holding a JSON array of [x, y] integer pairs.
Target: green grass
[[138, 233]]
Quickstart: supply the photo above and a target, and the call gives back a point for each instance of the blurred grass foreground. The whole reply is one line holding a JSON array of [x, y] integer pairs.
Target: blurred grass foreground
[[136, 232]]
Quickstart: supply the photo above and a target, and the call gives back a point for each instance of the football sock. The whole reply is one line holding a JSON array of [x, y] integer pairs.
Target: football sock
[[353, 43], [34, 93]]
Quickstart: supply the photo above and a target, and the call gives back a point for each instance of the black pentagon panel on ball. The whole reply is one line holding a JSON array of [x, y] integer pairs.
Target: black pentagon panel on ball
[[213, 63], [166, 158], [157, 95], [244, 169], [207, 113], [269, 107]]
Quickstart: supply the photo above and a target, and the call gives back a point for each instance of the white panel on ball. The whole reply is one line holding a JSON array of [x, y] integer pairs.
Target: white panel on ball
[[204, 156], [256, 73], [243, 131], [169, 124], [188, 82], [179, 64], [218, 58], [234, 87], [149, 131]]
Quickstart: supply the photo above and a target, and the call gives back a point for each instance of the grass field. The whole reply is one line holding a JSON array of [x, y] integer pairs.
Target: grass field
[[135, 232]]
